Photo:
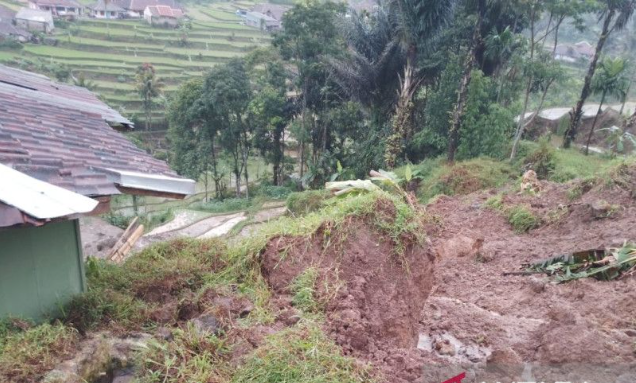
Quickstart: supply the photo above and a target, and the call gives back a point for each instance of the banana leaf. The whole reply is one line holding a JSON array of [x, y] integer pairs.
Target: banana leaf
[[606, 265]]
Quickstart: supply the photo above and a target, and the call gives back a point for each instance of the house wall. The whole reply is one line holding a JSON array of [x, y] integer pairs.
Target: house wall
[[33, 26], [41, 268]]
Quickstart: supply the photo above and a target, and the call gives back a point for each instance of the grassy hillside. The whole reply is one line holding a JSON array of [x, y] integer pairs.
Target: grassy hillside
[[108, 52]]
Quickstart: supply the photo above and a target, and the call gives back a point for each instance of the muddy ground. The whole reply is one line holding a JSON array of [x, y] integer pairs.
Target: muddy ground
[[455, 311]]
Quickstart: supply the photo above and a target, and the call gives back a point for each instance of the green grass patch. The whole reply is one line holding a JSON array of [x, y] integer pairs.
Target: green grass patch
[[521, 219], [302, 203], [27, 355], [438, 177], [303, 288], [300, 354]]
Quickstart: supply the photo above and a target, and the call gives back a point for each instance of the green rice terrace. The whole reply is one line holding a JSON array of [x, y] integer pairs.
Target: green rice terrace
[[107, 52]]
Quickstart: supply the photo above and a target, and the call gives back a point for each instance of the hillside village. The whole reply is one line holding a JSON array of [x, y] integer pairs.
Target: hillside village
[[401, 191]]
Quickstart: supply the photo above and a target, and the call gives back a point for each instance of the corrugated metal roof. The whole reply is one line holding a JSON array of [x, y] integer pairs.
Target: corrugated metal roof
[[136, 180], [39, 199]]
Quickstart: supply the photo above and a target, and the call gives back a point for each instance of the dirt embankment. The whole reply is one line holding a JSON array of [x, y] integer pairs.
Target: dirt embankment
[[370, 295]]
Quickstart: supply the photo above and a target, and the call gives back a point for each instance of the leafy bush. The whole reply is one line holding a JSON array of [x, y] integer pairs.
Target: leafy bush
[[521, 219], [302, 203]]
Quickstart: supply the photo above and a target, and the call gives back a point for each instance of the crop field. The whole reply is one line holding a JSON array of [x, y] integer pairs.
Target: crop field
[[108, 52]]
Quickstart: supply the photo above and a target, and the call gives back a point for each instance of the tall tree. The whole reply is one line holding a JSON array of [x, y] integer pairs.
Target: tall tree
[[610, 80], [462, 93], [309, 34], [417, 25], [615, 15], [225, 98], [271, 112], [149, 88]]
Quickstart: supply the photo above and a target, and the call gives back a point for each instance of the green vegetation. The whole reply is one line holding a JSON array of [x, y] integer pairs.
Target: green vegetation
[[521, 219], [26, 355], [302, 203], [462, 178], [301, 354], [303, 289], [105, 45]]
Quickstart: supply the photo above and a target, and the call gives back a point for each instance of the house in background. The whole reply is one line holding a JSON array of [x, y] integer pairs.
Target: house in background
[[68, 9], [163, 15], [262, 21], [8, 30], [55, 136], [275, 11], [34, 20], [574, 52], [136, 8], [106, 10]]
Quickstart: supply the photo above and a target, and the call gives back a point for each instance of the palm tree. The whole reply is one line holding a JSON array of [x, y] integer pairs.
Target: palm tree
[[615, 15], [610, 80], [367, 73], [149, 87], [417, 25]]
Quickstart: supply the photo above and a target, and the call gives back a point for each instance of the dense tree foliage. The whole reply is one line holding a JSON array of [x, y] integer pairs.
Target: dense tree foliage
[[407, 80]]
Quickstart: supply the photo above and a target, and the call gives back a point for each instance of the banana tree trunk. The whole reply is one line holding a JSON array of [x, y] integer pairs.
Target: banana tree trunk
[[576, 113]]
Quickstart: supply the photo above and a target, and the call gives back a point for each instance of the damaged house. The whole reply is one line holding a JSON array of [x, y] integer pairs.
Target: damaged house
[[61, 156]]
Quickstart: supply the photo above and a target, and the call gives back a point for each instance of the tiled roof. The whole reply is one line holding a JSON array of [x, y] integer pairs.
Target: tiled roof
[[58, 3], [140, 5], [273, 10], [102, 6], [165, 11], [50, 132], [6, 14]]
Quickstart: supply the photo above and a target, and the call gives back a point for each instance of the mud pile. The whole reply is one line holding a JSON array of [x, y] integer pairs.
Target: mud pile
[[372, 295]]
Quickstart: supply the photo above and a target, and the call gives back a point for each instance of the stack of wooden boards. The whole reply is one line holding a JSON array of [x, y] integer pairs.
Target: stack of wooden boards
[[133, 232]]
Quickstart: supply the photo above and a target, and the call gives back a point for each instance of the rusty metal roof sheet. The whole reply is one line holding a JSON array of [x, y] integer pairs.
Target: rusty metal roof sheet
[[38, 199], [57, 138]]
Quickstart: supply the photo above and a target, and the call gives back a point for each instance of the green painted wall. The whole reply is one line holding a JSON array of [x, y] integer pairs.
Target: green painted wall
[[41, 268]]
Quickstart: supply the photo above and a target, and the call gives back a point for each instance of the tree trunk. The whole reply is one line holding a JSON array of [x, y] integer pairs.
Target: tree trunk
[[304, 130], [598, 112], [462, 94], [577, 112], [522, 118], [400, 125]]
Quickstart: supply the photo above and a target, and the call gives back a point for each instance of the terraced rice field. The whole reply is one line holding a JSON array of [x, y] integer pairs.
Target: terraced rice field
[[108, 52]]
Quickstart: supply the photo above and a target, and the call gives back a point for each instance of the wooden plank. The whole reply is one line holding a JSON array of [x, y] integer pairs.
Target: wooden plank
[[120, 255], [120, 242]]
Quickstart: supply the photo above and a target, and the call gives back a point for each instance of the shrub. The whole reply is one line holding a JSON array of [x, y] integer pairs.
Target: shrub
[[521, 219], [542, 160], [302, 203], [303, 287]]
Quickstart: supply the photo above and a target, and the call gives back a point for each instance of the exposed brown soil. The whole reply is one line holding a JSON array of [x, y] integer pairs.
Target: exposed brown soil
[[372, 297], [476, 317], [476, 320]]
